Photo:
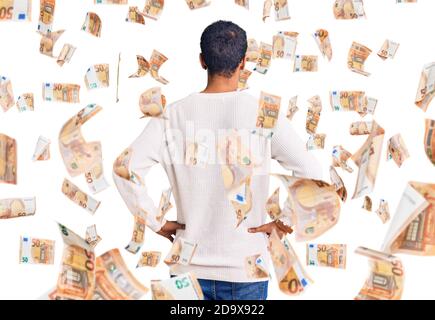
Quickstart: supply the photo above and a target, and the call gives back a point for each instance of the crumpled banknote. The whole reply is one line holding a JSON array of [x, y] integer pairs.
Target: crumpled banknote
[[367, 158], [8, 159], [80, 156], [313, 206], [290, 274]]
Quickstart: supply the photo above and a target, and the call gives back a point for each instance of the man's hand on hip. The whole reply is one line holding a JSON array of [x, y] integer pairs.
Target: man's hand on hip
[[267, 228], [169, 229]]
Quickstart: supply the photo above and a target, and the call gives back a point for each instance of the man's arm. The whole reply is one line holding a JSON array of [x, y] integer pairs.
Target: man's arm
[[291, 152], [131, 167]]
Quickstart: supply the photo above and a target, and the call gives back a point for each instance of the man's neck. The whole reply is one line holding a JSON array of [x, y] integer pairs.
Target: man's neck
[[218, 84]]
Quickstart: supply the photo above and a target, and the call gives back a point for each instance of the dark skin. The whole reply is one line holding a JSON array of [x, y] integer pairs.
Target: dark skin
[[217, 84]]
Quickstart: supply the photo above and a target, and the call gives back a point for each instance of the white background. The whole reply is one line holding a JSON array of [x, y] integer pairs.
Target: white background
[[177, 34]]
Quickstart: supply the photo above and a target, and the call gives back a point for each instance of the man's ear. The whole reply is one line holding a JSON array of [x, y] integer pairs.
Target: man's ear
[[201, 60]]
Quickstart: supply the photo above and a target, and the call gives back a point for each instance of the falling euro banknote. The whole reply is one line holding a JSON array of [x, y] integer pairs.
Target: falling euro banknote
[[386, 277]]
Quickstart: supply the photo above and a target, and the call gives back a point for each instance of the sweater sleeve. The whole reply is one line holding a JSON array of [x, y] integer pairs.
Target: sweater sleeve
[[291, 152], [131, 167]]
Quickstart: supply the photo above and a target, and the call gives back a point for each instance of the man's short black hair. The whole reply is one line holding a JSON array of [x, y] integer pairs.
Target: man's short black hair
[[223, 46]]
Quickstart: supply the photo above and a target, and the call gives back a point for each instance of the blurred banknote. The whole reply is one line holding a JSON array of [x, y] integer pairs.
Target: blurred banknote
[[356, 58], [253, 51], [353, 101], [197, 153], [313, 206], [164, 205], [367, 158], [316, 141], [237, 167], [181, 287], [429, 140], [143, 67], [383, 211], [114, 281], [111, 1], [92, 236], [36, 251], [397, 150], [6, 95], [42, 149], [25, 102], [92, 24], [292, 107], [266, 9], [264, 59], [156, 61], [291, 276], [17, 207], [386, 278], [48, 41], [324, 43], [243, 3], [255, 267], [138, 236], [149, 259], [281, 10], [426, 87], [359, 128], [326, 255], [313, 114], [61, 92], [97, 76], [349, 9], [77, 272], [305, 63], [340, 157], [280, 7], [195, 4], [243, 79], [152, 103], [47, 46], [412, 228], [80, 156], [79, 197], [153, 8], [8, 159], [388, 50], [134, 15], [46, 16], [367, 204], [338, 183], [268, 111], [272, 205], [181, 252], [284, 45], [16, 10]]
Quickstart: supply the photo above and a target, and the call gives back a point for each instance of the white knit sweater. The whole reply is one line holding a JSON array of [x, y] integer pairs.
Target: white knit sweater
[[199, 193]]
